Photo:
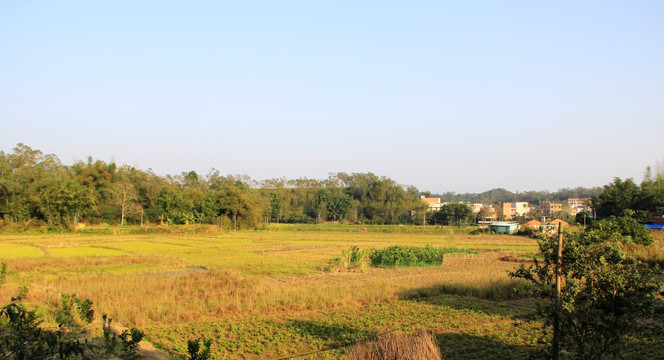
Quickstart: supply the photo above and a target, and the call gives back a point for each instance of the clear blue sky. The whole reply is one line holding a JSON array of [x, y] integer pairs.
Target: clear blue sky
[[447, 96]]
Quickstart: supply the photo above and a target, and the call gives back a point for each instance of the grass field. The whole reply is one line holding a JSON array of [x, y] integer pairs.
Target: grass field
[[277, 292]]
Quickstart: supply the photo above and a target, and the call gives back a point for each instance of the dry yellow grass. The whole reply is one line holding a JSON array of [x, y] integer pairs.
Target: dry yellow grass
[[420, 346], [172, 279], [143, 299], [650, 253]]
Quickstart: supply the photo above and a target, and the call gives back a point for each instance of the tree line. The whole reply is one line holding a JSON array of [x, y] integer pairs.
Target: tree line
[[37, 189]]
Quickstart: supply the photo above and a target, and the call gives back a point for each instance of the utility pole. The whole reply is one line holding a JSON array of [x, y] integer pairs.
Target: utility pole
[[556, 319]]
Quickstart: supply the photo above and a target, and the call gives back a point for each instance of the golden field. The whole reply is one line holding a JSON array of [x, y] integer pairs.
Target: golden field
[[278, 292]]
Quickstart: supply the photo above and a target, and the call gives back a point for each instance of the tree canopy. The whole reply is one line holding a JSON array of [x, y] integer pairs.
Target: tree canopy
[[624, 197], [37, 188]]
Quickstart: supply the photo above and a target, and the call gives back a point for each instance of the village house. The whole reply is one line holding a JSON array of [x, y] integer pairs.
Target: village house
[[520, 208], [504, 211], [560, 221], [477, 207], [533, 224], [489, 211], [548, 209], [577, 205], [433, 203], [504, 227]]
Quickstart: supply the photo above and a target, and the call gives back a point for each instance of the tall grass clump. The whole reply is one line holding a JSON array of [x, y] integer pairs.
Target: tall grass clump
[[651, 254], [405, 256], [3, 273], [420, 346], [351, 258]]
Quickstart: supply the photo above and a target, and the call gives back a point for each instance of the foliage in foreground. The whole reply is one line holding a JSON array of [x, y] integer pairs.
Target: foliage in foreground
[[605, 294], [21, 337], [199, 349], [71, 305]]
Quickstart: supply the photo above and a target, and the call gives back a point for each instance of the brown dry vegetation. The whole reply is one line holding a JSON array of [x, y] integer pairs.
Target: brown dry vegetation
[[177, 297], [170, 280], [653, 253], [420, 346], [179, 287]]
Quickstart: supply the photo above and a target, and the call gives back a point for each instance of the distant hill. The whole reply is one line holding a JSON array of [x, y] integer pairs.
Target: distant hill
[[502, 195]]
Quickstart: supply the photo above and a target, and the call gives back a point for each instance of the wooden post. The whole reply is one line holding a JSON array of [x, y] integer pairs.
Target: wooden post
[[556, 319]]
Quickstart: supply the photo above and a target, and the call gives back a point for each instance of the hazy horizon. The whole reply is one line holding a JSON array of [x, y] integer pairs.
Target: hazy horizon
[[462, 97]]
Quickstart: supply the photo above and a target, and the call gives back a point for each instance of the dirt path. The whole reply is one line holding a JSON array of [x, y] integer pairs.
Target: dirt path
[[147, 350]]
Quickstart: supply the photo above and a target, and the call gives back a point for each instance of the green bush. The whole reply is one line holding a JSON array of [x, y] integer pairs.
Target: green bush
[[129, 343], [606, 296], [198, 352], [70, 304], [404, 256]]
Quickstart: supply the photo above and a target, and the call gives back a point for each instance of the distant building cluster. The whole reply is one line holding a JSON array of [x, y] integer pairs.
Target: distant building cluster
[[520, 209]]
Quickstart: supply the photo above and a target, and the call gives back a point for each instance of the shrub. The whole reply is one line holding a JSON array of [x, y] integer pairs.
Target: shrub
[[71, 304], [352, 258], [196, 352], [3, 273], [402, 256], [528, 231], [21, 337], [110, 340], [129, 343], [604, 294]]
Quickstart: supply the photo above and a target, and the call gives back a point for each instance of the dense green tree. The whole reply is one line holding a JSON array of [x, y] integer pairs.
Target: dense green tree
[[317, 206], [97, 175], [583, 218], [379, 199], [147, 185], [453, 214], [621, 196], [62, 201], [21, 174], [651, 198], [240, 204], [338, 205], [605, 293], [616, 198], [123, 193], [171, 203]]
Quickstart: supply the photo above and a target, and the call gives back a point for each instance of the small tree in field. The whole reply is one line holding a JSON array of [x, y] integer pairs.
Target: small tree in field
[[604, 292]]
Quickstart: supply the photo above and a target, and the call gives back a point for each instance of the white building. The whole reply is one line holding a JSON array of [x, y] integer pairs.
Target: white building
[[520, 208]]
